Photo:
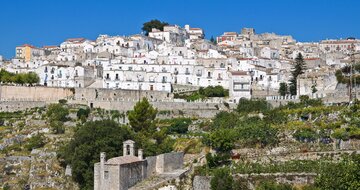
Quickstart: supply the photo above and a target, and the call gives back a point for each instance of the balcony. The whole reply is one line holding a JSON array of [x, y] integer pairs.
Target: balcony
[[163, 81], [176, 72], [199, 74], [163, 70], [219, 78], [187, 73]]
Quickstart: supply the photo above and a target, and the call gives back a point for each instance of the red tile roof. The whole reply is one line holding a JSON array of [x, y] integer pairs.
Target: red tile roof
[[238, 73], [75, 39]]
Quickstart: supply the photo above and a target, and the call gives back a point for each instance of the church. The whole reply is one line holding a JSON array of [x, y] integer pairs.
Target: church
[[123, 172]]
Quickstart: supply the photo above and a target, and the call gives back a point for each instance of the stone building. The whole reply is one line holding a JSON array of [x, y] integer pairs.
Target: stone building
[[123, 172]]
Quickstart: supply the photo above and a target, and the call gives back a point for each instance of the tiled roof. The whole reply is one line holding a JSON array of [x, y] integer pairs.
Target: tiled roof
[[239, 73], [27, 45], [123, 160], [75, 39]]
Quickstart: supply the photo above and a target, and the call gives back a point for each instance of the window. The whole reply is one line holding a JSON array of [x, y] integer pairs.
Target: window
[[106, 174]]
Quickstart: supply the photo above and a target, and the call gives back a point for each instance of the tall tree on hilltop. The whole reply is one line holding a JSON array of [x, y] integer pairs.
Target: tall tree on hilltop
[[283, 90], [212, 39], [298, 69], [148, 26], [142, 118]]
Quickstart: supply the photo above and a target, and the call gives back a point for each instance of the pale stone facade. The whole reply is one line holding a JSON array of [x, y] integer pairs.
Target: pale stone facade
[[121, 173]]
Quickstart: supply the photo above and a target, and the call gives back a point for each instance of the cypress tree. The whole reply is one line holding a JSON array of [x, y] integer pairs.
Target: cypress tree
[[298, 69]]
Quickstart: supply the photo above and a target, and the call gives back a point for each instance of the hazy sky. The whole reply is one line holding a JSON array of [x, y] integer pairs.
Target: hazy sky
[[49, 22]]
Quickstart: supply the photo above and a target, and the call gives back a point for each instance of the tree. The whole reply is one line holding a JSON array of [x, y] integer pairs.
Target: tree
[[212, 40], [148, 26], [179, 125], [257, 133], [221, 140], [225, 120], [271, 185], [57, 112], [313, 88], [82, 114], [143, 116], [85, 147], [283, 90], [222, 180], [248, 106], [32, 78], [57, 127], [36, 141], [298, 69], [344, 175]]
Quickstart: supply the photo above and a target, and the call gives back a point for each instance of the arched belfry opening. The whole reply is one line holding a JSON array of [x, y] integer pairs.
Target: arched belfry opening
[[128, 148]]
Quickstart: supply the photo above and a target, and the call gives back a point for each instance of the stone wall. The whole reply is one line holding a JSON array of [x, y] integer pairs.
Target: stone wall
[[16, 98], [201, 183], [131, 173], [151, 166], [103, 94], [34, 93], [11, 106], [169, 162]]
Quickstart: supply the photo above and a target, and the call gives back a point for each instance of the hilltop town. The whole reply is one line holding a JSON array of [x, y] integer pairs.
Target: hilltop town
[[168, 109], [176, 59]]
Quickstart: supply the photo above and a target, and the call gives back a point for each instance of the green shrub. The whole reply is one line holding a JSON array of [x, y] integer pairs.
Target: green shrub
[[305, 135], [179, 125], [271, 185], [222, 180], [249, 106], [36, 141]]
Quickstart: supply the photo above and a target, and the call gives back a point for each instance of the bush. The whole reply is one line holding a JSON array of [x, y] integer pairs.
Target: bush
[[21, 78], [36, 141], [257, 133], [249, 106], [306, 135], [270, 185], [57, 127], [179, 125], [344, 175], [57, 112], [222, 180], [62, 101], [221, 140], [225, 120], [83, 113]]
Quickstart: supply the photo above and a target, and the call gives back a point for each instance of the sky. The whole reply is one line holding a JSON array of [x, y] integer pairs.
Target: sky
[[49, 22]]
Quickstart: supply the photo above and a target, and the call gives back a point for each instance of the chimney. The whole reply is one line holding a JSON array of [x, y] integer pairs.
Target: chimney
[[102, 158], [140, 154], [102, 167]]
